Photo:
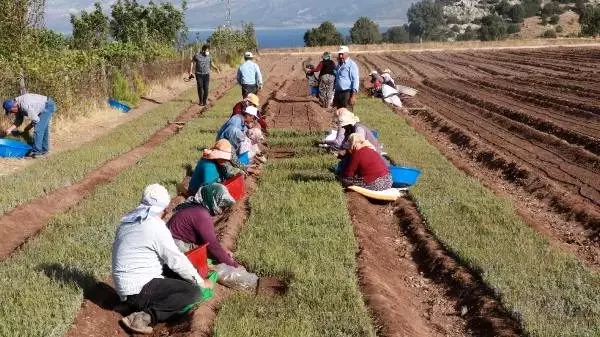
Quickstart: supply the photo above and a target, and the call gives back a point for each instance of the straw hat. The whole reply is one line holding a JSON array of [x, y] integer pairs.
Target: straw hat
[[252, 98], [221, 150], [346, 117]]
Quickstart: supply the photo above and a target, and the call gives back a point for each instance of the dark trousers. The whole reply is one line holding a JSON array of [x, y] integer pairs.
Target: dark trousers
[[202, 81], [341, 99], [164, 298], [249, 89]]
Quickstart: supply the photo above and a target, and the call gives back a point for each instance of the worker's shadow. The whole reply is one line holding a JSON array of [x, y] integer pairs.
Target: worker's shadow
[[100, 293], [306, 177]]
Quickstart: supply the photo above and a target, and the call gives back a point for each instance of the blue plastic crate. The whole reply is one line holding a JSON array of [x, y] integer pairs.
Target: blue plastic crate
[[244, 158], [118, 105], [10, 148], [404, 176]]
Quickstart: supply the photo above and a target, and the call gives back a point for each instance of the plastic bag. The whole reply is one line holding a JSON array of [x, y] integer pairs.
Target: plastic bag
[[236, 278]]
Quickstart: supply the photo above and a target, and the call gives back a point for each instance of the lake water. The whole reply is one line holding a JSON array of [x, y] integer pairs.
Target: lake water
[[277, 38]]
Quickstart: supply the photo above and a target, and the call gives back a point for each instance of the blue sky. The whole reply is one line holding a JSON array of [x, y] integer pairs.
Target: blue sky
[[208, 14]]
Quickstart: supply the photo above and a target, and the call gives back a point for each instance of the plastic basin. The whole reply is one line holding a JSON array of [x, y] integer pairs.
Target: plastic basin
[[244, 158], [199, 259], [118, 105], [236, 187], [10, 148], [404, 176], [375, 133]]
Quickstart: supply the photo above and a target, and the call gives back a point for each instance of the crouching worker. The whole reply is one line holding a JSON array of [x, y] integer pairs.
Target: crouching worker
[[192, 225], [39, 109], [365, 168], [215, 166], [142, 245], [348, 123], [251, 100]]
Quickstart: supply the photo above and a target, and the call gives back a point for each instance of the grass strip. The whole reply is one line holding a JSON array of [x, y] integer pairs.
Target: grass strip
[[41, 285], [550, 291], [298, 229], [66, 167]]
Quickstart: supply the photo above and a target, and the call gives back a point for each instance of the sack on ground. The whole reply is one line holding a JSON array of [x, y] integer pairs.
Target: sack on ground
[[236, 278]]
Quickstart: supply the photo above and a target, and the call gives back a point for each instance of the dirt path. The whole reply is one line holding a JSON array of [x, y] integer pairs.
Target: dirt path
[[27, 219], [413, 286]]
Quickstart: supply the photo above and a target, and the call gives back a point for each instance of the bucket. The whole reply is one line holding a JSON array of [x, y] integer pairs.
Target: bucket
[[236, 187], [10, 148], [244, 158], [118, 105], [404, 176], [199, 258]]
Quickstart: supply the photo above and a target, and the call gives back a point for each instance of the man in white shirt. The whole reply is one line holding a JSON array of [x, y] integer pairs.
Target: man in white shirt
[[143, 244]]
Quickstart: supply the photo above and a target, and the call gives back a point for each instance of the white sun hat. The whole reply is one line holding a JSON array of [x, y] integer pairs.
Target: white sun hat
[[343, 50], [248, 55], [251, 110]]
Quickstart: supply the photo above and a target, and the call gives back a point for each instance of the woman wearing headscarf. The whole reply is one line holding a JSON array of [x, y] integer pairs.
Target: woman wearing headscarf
[[326, 69], [214, 166], [347, 124], [365, 167], [143, 246], [192, 225]]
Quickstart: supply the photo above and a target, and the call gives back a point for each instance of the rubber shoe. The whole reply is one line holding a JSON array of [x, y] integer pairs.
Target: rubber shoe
[[138, 322]]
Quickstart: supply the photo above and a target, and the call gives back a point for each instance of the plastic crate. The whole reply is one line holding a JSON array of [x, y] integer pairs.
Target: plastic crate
[[199, 258], [404, 176], [244, 158], [236, 187], [118, 105], [10, 148]]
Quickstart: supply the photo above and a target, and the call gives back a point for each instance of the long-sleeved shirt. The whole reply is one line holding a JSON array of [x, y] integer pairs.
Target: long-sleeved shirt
[[341, 140], [139, 252], [30, 105], [239, 108], [367, 164], [325, 67], [346, 76], [249, 73], [206, 172], [233, 130], [194, 225]]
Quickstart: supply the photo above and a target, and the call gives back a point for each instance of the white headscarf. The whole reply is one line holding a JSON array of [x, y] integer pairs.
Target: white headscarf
[[154, 201]]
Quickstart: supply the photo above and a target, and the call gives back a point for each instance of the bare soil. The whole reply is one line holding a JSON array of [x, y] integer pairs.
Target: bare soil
[[525, 122]]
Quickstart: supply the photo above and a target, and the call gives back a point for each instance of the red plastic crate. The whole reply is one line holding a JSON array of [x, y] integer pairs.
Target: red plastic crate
[[199, 258], [236, 187]]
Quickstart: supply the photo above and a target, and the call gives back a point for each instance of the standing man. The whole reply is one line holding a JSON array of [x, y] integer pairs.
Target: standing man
[[202, 63], [347, 80], [249, 76], [39, 109]]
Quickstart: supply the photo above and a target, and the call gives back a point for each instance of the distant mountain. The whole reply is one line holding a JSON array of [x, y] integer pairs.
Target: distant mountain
[[279, 13]]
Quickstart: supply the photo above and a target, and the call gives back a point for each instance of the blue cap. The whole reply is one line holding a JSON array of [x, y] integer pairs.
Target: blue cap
[[8, 105]]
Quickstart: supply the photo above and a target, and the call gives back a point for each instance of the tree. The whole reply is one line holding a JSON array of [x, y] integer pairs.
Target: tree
[[503, 8], [468, 35], [551, 8], [590, 21], [398, 34], [492, 28], [517, 14], [324, 35], [554, 19], [531, 7], [90, 30], [365, 31], [250, 32], [135, 23], [425, 17]]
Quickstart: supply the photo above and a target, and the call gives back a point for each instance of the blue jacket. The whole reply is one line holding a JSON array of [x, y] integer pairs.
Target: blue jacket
[[233, 130], [206, 172]]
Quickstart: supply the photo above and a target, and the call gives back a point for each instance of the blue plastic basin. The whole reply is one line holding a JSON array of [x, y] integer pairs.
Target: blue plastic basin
[[244, 158], [118, 105], [10, 148], [404, 176]]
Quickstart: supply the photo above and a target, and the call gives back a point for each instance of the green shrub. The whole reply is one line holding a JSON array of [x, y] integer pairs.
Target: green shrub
[[138, 83], [122, 91], [513, 28], [554, 19], [559, 29]]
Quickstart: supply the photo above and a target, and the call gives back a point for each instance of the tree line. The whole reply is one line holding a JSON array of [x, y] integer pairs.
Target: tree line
[[427, 22]]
